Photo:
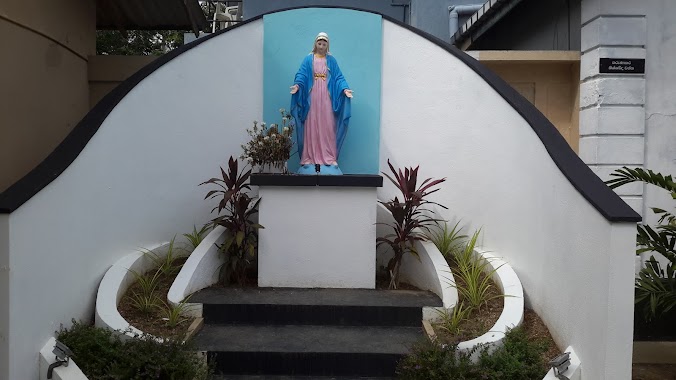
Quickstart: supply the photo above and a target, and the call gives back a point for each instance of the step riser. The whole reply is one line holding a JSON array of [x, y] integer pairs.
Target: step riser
[[312, 315], [304, 364]]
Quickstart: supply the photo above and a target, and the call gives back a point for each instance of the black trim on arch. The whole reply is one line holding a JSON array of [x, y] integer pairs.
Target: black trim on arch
[[609, 204]]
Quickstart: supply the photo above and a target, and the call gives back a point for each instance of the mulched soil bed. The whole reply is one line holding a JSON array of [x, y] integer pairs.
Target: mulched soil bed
[[153, 323], [482, 320]]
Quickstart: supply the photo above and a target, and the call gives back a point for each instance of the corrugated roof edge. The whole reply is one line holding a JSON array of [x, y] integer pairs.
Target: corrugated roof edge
[[492, 12], [609, 204]]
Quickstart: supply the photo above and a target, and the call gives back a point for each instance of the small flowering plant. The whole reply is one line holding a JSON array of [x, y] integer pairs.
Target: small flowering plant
[[270, 145]]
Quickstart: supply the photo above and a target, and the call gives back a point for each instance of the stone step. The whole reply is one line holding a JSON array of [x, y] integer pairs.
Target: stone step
[[306, 350], [285, 306]]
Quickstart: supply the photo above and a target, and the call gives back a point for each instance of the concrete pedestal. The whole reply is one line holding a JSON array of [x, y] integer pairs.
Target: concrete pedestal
[[317, 236]]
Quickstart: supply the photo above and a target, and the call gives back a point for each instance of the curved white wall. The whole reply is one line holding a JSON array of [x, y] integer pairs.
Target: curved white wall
[[575, 266], [134, 185]]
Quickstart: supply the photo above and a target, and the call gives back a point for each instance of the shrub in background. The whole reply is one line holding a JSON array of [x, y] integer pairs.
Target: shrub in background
[[101, 355], [517, 359], [655, 288]]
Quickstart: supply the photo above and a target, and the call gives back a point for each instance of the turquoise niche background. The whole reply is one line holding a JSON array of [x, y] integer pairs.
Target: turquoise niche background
[[356, 42]]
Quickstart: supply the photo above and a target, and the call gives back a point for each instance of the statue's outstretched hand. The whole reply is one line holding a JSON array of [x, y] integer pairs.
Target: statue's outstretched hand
[[348, 93], [294, 89]]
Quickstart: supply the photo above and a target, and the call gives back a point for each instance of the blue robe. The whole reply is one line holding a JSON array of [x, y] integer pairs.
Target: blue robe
[[300, 101]]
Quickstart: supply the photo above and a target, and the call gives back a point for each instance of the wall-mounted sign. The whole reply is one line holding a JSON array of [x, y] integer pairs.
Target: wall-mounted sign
[[622, 66]]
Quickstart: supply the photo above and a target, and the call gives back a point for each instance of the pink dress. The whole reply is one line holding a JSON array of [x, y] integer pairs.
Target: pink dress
[[320, 125]]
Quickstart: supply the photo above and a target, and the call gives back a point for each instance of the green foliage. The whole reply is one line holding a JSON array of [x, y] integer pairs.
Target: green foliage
[[103, 356], [517, 359], [242, 240], [145, 304], [448, 242], [146, 299], [195, 237], [137, 42], [410, 217], [435, 361], [173, 314], [165, 263], [654, 289], [147, 282], [450, 322], [475, 274]]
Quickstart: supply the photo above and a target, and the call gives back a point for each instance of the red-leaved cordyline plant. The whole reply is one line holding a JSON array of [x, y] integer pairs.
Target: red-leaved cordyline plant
[[240, 245], [410, 217]]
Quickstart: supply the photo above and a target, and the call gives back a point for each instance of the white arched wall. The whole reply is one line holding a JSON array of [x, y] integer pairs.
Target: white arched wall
[[576, 267], [134, 185]]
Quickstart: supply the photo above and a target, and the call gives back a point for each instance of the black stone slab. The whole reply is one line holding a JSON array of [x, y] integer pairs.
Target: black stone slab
[[343, 307], [346, 180], [306, 350], [300, 296]]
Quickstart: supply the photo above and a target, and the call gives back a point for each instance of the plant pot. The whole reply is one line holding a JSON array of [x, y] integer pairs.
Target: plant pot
[[273, 168]]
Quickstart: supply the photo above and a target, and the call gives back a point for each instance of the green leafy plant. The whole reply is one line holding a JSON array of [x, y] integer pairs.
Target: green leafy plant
[[101, 355], [519, 358], [173, 314], [144, 304], [435, 361], [147, 283], [195, 237], [655, 289], [450, 321], [448, 241], [166, 263], [270, 145], [242, 239], [475, 274], [410, 216], [145, 300]]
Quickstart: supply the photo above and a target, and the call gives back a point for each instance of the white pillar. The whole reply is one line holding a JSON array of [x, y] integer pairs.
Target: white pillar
[[612, 106]]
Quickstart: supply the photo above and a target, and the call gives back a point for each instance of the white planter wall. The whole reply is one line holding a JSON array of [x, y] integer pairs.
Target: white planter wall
[[134, 185], [575, 266]]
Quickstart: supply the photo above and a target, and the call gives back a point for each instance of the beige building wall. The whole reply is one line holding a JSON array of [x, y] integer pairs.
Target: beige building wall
[[43, 78], [550, 80], [107, 71]]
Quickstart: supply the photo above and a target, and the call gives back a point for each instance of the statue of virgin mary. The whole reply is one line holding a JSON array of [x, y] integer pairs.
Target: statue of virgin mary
[[320, 105]]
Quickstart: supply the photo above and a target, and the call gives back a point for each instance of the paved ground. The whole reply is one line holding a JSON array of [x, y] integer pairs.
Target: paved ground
[[653, 372]]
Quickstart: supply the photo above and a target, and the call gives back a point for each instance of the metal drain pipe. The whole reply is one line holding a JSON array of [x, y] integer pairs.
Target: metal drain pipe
[[454, 11]]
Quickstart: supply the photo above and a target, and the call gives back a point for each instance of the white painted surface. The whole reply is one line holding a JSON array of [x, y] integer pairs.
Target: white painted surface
[[574, 371], [71, 372], [512, 312], [612, 121], [612, 150], [430, 272], [118, 278], [612, 91], [614, 31], [134, 185], [501, 178], [199, 271], [317, 237]]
